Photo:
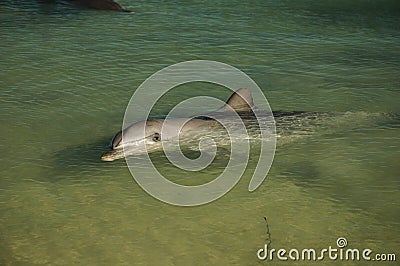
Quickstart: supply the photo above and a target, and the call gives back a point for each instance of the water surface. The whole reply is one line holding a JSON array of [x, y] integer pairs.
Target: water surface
[[68, 74]]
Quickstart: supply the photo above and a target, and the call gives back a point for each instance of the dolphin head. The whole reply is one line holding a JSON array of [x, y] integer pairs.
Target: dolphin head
[[141, 136]]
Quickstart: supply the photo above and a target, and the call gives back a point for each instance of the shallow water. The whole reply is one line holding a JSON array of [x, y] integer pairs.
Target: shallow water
[[68, 74]]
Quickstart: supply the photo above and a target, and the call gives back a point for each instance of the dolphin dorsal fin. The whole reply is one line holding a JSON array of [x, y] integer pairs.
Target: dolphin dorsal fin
[[241, 100]]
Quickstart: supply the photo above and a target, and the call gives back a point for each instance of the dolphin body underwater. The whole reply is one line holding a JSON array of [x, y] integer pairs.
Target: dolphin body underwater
[[99, 4], [145, 136]]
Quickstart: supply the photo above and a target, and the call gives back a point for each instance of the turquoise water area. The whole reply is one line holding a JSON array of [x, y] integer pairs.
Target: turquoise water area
[[67, 75]]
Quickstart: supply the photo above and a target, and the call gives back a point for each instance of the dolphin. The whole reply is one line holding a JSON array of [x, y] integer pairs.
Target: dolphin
[[145, 136], [147, 133]]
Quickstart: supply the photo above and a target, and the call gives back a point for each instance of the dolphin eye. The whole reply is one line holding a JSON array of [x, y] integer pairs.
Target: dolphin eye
[[156, 137]]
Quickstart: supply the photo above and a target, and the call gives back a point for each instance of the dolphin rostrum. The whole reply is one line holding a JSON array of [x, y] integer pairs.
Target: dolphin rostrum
[[147, 133]]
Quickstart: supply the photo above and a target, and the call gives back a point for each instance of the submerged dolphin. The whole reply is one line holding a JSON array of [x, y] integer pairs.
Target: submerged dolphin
[[99, 4], [147, 133]]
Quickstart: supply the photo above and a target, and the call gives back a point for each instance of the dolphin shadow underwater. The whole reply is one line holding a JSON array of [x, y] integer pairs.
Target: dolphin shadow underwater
[[74, 159]]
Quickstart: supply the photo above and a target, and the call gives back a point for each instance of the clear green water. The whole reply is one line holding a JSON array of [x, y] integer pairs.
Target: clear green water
[[67, 75]]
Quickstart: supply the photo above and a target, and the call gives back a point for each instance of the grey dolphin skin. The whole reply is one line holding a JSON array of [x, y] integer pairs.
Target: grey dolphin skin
[[135, 142], [146, 135], [99, 4]]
